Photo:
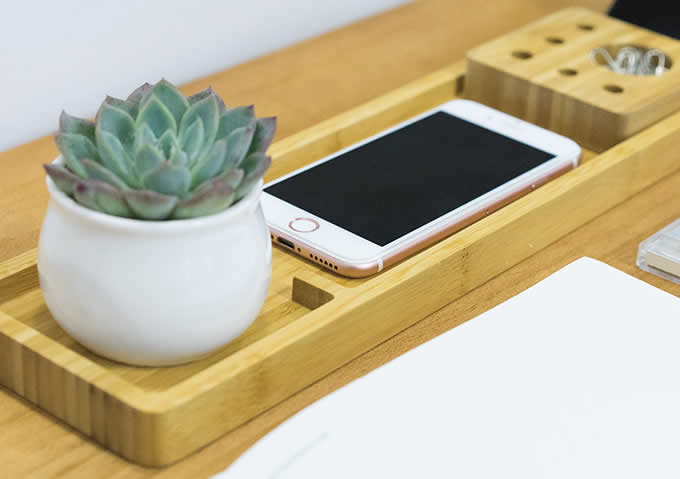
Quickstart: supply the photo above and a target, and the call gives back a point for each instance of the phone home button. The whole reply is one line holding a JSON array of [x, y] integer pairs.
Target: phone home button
[[303, 225]]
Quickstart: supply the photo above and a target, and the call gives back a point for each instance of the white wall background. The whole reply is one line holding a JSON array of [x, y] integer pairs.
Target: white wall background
[[69, 54]]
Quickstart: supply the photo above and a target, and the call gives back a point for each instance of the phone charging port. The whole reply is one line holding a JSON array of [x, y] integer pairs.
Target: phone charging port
[[285, 242]]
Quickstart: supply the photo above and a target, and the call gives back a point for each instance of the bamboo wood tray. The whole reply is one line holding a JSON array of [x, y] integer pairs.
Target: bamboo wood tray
[[312, 321]]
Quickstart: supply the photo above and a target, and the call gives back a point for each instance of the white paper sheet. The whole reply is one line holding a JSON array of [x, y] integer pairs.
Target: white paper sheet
[[577, 377]]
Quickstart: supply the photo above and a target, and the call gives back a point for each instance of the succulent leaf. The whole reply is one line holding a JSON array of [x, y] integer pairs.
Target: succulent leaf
[[221, 107], [111, 200], [114, 157], [139, 94], [156, 116], [101, 196], [264, 135], [210, 164], [207, 201], [192, 140], [235, 118], [178, 157], [118, 123], [150, 205], [232, 178], [148, 157], [207, 110], [63, 178], [96, 171], [144, 136], [128, 107], [167, 143], [85, 195], [74, 148], [168, 179], [172, 98], [237, 146], [254, 167], [195, 98], [79, 126]]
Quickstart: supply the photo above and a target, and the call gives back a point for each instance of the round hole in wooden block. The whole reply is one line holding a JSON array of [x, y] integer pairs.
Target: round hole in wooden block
[[522, 54], [586, 27], [570, 72], [555, 40], [613, 88]]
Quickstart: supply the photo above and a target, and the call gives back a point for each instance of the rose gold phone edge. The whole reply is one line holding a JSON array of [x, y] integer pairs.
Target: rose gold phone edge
[[352, 270]]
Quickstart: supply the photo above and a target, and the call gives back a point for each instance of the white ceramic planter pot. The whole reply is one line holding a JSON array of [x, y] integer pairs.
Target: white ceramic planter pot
[[154, 293]]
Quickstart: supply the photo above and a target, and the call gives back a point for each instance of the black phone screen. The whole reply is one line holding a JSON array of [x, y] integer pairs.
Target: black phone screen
[[409, 177]]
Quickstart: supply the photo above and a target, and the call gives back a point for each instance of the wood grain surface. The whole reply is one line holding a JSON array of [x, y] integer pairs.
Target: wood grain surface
[[355, 64]]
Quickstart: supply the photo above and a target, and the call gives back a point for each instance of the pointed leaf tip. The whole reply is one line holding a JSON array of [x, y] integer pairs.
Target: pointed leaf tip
[[140, 93], [75, 125], [62, 178], [172, 98]]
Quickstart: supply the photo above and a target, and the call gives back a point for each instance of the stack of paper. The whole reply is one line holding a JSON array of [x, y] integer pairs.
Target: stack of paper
[[576, 377]]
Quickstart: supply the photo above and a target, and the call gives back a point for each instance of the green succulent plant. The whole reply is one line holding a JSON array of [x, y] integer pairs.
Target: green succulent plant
[[160, 155]]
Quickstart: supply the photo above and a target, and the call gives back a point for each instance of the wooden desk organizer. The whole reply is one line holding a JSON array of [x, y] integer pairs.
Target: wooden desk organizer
[[313, 321], [544, 74]]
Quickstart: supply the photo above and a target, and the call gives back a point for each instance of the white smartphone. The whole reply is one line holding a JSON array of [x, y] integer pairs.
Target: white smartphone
[[368, 206]]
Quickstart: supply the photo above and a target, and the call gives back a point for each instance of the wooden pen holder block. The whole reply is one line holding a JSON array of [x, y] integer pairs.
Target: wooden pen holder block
[[544, 73]]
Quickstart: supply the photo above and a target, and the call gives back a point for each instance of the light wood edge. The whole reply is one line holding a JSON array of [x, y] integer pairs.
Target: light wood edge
[[77, 391], [18, 264], [17, 274], [64, 357]]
